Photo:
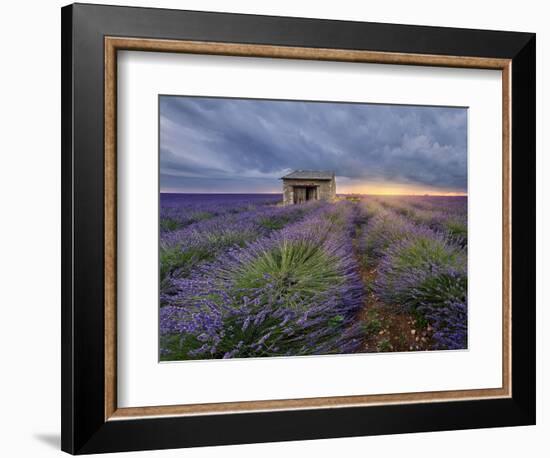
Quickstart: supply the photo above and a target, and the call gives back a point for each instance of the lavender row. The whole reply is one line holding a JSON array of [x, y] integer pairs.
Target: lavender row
[[295, 292], [182, 250], [180, 210], [447, 215], [451, 204], [420, 270]]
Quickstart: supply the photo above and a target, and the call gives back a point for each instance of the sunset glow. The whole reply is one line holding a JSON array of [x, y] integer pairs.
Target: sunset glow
[[395, 189]]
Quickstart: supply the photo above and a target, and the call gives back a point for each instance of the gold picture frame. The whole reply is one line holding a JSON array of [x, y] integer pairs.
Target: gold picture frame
[[115, 44]]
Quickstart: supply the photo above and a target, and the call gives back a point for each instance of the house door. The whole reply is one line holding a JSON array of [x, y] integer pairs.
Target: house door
[[300, 194], [304, 193]]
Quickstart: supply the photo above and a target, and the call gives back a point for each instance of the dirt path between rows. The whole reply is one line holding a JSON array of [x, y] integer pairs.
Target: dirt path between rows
[[386, 328]]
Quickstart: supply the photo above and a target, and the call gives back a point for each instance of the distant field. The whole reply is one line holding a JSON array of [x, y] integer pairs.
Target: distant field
[[242, 276]]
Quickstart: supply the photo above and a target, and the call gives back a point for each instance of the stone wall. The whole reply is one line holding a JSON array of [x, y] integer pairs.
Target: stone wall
[[326, 189]]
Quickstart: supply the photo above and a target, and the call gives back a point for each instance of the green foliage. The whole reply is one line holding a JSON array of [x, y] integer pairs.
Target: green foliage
[[372, 323], [199, 216], [425, 270], [419, 318], [295, 269], [387, 230], [169, 224], [223, 239], [182, 260], [437, 290], [336, 321], [408, 213], [178, 347], [458, 230], [274, 223], [425, 251], [385, 345]]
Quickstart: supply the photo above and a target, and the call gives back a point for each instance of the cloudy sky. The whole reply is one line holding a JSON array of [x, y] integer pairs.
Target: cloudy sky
[[244, 146]]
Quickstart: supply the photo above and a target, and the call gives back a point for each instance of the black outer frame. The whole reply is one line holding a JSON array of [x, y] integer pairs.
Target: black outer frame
[[84, 429]]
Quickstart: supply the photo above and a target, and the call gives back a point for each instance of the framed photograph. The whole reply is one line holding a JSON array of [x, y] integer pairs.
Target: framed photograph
[[281, 228]]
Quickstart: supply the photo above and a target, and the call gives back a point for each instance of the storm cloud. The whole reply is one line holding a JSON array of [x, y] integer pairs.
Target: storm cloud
[[244, 145]]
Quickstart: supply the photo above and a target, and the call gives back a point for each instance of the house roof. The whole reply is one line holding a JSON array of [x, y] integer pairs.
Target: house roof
[[309, 175]]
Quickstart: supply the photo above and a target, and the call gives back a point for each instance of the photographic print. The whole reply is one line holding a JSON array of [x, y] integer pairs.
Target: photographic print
[[294, 228]]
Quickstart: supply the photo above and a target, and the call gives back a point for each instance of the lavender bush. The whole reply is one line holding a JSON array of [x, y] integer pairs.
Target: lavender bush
[[180, 210], [426, 273], [384, 229], [182, 250], [446, 214], [295, 292], [242, 276]]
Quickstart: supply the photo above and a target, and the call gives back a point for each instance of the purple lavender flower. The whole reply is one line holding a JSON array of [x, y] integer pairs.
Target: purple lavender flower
[[296, 292], [264, 280]]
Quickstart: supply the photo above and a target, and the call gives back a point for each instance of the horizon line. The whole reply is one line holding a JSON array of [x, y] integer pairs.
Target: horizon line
[[343, 194]]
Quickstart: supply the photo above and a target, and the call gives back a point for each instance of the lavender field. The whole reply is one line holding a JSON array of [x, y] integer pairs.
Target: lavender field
[[243, 276]]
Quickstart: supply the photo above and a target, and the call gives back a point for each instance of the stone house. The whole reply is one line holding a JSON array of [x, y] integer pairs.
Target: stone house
[[305, 185]]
